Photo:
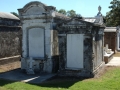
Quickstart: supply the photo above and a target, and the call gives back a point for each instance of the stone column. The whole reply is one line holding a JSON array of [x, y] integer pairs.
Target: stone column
[[118, 37]]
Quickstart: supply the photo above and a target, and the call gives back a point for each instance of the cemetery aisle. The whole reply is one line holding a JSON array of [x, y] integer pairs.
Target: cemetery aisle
[[115, 61]]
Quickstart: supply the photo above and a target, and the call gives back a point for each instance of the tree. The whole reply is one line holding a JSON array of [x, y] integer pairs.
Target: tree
[[62, 11], [71, 13], [14, 13], [113, 16]]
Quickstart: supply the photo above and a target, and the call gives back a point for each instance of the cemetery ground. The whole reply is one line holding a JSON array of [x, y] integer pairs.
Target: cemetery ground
[[108, 79]]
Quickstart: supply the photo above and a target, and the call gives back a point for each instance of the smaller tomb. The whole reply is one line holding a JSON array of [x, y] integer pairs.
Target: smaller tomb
[[108, 54], [110, 38], [81, 43], [109, 43]]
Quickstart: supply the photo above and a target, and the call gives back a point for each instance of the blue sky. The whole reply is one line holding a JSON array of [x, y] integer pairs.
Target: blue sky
[[87, 8]]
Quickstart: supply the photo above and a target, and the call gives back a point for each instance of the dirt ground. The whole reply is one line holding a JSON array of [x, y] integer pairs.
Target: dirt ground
[[102, 72], [117, 54], [9, 66]]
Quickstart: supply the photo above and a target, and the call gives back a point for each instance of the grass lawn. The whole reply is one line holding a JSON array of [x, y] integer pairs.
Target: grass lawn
[[110, 80]]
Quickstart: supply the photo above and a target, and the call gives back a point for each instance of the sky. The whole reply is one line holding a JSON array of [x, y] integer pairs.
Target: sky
[[87, 8]]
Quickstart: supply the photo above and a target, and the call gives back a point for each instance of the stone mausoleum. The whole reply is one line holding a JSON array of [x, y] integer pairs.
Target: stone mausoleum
[[53, 42], [81, 43], [40, 40]]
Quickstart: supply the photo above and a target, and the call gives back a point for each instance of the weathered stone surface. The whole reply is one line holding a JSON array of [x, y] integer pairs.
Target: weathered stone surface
[[92, 47], [38, 15], [10, 35], [37, 18], [10, 41]]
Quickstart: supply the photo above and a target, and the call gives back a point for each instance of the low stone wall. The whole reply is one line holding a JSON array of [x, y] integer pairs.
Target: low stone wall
[[7, 60], [10, 41]]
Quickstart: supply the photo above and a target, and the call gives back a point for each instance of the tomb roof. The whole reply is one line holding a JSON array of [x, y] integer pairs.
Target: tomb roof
[[8, 16], [97, 20], [110, 29]]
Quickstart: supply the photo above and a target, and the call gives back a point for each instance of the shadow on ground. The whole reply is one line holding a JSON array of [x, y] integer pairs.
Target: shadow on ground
[[54, 83], [39, 79], [18, 75], [60, 82]]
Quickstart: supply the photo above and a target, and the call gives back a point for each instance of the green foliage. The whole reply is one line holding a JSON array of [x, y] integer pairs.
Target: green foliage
[[109, 81], [14, 13], [70, 13], [113, 16], [62, 11]]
